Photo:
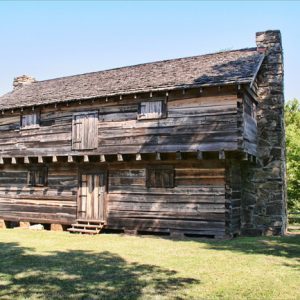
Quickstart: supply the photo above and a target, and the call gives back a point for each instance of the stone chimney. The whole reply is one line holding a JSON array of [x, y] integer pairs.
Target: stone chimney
[[22, 80], [264, 208]]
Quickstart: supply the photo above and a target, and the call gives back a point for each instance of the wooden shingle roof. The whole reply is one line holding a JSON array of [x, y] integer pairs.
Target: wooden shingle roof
[[228, 67]]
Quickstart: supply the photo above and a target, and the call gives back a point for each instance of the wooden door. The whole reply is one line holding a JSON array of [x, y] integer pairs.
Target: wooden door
[[91, 200]]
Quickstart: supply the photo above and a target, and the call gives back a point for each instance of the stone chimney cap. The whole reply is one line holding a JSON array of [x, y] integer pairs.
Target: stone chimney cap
[[22, 80]]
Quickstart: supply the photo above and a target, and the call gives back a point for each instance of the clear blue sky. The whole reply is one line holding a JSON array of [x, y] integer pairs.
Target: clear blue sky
[[53, 39]]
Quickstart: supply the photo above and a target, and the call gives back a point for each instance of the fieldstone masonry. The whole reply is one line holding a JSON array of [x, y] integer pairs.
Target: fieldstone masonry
[[22, 80], [264, 188]]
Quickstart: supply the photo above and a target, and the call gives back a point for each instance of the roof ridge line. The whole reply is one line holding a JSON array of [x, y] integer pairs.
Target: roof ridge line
[[142, 64]]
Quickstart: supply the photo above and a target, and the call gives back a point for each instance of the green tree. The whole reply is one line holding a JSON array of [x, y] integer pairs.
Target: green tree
[[292, 121]]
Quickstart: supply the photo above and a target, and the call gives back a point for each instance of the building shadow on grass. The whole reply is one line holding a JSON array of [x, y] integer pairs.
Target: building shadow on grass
[[286, 246], [82, 275]]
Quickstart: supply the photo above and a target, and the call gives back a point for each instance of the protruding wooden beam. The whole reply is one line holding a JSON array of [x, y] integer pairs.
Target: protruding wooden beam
[[119, 157], [151, 94], [178, 155], [13, 160], [222, 154], [86, 158], [252, 158], [70, 159], [54, 158], [199, 155], [102, 158], [40, 159], [138, 156], [245, 156], [26, 160], [1, 160], [158, 156]]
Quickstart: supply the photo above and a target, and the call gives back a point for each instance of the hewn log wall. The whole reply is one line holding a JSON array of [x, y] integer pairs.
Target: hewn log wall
[[196, 204], [53, 203], [207, 123]]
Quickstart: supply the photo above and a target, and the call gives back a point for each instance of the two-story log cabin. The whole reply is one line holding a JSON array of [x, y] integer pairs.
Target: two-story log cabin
[[192, 145]]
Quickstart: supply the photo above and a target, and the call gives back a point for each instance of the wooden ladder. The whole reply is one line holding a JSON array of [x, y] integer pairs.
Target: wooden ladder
[[86, 226]]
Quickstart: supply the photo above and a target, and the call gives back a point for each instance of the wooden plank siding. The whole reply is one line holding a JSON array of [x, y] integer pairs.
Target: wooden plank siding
[[55, 202], [199, 123], [249, 125], [203, 193], [195, 205]]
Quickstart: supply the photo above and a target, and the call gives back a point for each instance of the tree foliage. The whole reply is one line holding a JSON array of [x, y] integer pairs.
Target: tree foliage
[[292, 121]]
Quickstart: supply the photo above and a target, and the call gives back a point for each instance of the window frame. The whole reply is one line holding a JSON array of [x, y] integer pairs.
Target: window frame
[[34, 175], [162, 115], [166, 170], [31, 126]]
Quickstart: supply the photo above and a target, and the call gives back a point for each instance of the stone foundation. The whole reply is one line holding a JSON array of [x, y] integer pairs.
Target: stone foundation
[[24, 224], [2, 224], [56, 227]]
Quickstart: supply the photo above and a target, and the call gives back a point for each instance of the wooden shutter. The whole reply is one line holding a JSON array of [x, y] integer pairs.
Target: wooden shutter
[[151, 110], [85, 131], [38, 176], [160, 177]]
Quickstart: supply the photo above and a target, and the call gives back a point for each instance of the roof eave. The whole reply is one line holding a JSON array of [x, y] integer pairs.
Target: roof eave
[[257, 70], [132, 92]]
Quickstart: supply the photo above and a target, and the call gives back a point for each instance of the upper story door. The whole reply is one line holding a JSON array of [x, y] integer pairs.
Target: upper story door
[[84, 131]]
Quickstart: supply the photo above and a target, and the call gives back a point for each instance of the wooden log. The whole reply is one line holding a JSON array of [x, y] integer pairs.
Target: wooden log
[[26, 160], [158, 156], [1, 160], [70, 160], [199, 155], [102, 158], [222, 154], [119, 157], [40, 160], [138, 156], [86, 158], [54, 158], [245, 156], [13, 161]]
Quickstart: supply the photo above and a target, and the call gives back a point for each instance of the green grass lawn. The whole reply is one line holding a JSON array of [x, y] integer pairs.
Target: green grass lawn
[[59, 265]]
